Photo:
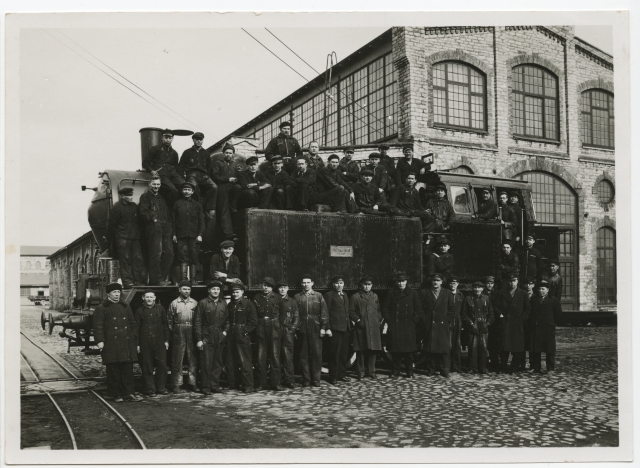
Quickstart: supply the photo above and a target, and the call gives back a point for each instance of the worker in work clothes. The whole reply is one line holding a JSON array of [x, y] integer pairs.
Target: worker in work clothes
[[495, 330], [487, 208], [507, 218], [278, 179], [180, 318], [440, 209], [441, 261], [299, 186], [365, 313], [315, 160], [314, 320], [390, 165], [552, 276], [349, 168], [439, 310], [289, 328], [545, 315], [153, 343], [331, 187], [338, 331], [156, 220], [283, 144], [509, 264], [402, 311], [477, 317], [367, 195], [224, 173], [409, 165], [188, 229], [124, 233], [380, 174], [406, 201], [225, 267], [115, 332], [162, 161], [456, 325], [520, 225], [243, 320], [530, 260], [211, 326], [256, 188], [271, 317], [195, 164], [513, 308]]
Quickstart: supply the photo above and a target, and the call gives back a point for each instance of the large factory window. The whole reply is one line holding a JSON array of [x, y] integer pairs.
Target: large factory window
[[597, 119], [535, 103], [606, 247], [459, 96]]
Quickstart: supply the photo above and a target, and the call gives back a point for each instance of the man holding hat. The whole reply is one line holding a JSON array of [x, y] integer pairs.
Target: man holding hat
[[256, 189], [441, 261], [180, 319], [211, 326], [349, 168], [243, 320], [554, 279], [546, 312], [188, 229], [278, 178], [477, 317], [330, 186], [283, 144], [509, 265], [224, 173], [289, 329], [409, 164], [456, 325], [487, 208], [402, 311], [195, 165], [367, 195], [314, 320], [114, 330], [271, 318], [225, 267], [153, 343], [406, 201], [513, 308], [124, 234], [299, 186], [530, 260], [440, 209], [338, 331], [365, 313], [439, 310], [162, 161]]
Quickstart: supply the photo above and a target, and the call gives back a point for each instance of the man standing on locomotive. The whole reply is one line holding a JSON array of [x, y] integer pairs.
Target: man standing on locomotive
[[225, 267], [554, 279], [256, 189], [364, 311], [243, 320], [487, 208], [509, 265], [224, 173], [521, 222], [188, 229], [289, 329], [114, 330], [299, 186], [507, 217], [339, 327], [439, 310], [283, 144], [530, 260], [180, 319], [271, 317], [195, 164], [314, 320], [124, 234], [440, 209], [162, 161], [278, 178]]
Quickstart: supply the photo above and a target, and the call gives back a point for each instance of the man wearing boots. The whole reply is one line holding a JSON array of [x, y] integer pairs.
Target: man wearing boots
[[243, 320], [545, 314], [271, 317], [180, 319], [188, 229], [289, 329], [477, 317], [124, 235], [513, 306]]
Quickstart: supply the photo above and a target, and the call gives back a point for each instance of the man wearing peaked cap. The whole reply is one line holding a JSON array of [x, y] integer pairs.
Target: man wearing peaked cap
[[510, 225], [530, 260], [188, 229], [546, 313], [441, 209], [552, 275], [225, 173], [338, 331], [349, 168], [513, 308], [123, 234], [439, 311], [180, 317], [364, 312], [283, 144], [441, 260], [256, 187], [380, 174], [224, 266], [243, 320], [331, 186], [162, 161], [289, 327], [368, 196], [487, 207], [477, 317], [298, 189], [271, 315], [278, 178]]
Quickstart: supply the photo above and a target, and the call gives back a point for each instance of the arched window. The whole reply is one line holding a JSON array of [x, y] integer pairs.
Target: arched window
[[597, 119], [535, 103], [606, 270], [459, 96], [605, 191], [462, 170], [38, 266]]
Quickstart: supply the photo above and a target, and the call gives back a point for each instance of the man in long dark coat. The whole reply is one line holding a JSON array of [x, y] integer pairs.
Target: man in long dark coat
[[530, 261], [224, 173], [441, 261], [477, 317], [289, 328], [115, 332], [494, 338], [364, 311], [124, 234], [278, 178], [513, 309], [153, 339], [402, 311], [270, 312], [456, 325], [507, 217], [545, 314], [339, 327], [243, 320], [438, 307], [441, 209], [520, 226]]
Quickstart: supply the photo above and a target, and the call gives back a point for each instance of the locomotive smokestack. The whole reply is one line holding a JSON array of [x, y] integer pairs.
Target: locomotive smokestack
[[149, 136]]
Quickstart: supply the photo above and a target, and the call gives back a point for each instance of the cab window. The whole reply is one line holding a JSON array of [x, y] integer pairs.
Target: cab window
[[461, 200]]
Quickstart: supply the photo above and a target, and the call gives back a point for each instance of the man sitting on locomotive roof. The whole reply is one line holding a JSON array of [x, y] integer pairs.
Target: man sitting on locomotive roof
[[380, 174], [530, 260], [440, 209], [156, 221], [507, 217], [509, 264], [124, 235], [315, 161], [180, 320], [349, 168], [225, 266], [283, 144], [224, 173], [441, 261], [289, 328], [256, 189], [520, 223], [409, 165], [243, 320], [456, 325], [368, 196], [278, 179], [406, 201], [329, 181], [153, 343], [477, 317], [195, 165], [487, 208], [188, 229], [162, 161], [299, 185]]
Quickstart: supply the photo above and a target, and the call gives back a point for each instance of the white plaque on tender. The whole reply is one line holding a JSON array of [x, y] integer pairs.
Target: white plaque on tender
[[341, 251]]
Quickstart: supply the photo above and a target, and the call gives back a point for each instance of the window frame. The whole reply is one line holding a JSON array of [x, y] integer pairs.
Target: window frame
[[610, 109], [601, 183], [468, 191], [602, 274]]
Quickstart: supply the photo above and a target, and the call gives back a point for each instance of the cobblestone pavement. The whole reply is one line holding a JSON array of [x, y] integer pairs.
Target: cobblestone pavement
[[575, 406]]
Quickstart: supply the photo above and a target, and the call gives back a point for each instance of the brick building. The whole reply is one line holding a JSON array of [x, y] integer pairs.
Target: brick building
[[527, 102], [34, 270]]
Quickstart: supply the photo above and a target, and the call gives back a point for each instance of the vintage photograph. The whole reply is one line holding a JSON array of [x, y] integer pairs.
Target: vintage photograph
[[256, 235]]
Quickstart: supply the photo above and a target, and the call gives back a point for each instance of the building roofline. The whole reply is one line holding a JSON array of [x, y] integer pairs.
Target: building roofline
[[594, 47], [71, 244]]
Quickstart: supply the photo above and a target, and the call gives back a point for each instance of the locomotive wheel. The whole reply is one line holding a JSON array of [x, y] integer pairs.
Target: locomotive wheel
[[51, 324], [43, 320]]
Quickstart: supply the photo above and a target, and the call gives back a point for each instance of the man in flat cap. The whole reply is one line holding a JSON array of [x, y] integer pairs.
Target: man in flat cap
[[520, 225], [513, 308], [380, 174], [530, 260], [289, 328], [211, 326], [507, 217], [188, 229], [409, 164], [115, 332], [441, 260], [366, 314], [439, 310], [271, 317], [300, 185], [509, 264], [456, 325], [195, 166], [349, 168], [406, 201], [477, 317], [338, 331], [495, 330], [314, 320], [315, 160], [552, 276], [180, 319], [224, 173], [157, 223], [153, 343], [124, 234], [402, 311], [278, 178], [162, 161], [390, 165], [225, 266], [283, 144], [546, 312], [367, 195], [256, 188], [441, 209], [331, 187], [385, 159], [243, 320], [487, 207]]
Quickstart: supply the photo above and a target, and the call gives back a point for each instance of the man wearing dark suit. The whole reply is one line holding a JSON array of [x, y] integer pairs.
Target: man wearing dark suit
[[299, 186], [409, 165], [512, 309], [278, 178], [406, 201], [256, 189], [456, 325], [439, 310], [545, 314], [339, 327]]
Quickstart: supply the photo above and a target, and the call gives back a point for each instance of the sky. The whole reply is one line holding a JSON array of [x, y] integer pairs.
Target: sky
[[75, 121]]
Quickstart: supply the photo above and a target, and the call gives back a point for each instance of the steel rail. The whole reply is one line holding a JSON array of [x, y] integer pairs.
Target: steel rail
[[133, 432], [33, 372], [50, 355], [66, 422]]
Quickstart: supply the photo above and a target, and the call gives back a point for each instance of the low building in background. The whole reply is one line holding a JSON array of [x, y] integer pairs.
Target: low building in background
[[34, 270]]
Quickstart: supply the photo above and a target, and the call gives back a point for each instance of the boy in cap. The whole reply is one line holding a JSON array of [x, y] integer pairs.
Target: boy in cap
[[299, 186], [224, 173], [338, 331], [225, 266], [546, 312], [289, 327], [124, 235], [180, 320], [530, 260], [283, 144], [195, 166], [153, 343], [188, 229], [440, 209], [349, 168], [367, 195], [330, 187], [211, 326], [278, 178], [365, 313], [554, 279], [477, 317], [162, 161], [456, 325], [314, 320], [243, 320], [256, 189], [271, 317], [441, 261], [439, 310], [487, 208], [114, 330]]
